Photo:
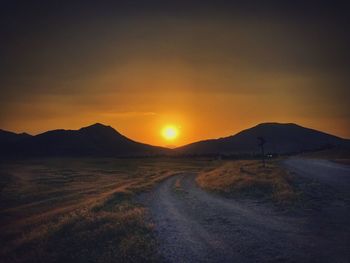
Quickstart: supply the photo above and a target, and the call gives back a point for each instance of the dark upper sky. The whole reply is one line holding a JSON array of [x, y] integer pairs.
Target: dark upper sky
[[209, 67]]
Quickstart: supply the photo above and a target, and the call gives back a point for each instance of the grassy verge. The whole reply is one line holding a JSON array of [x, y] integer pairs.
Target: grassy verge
[[80, 210], [249, 177], [105, 234]]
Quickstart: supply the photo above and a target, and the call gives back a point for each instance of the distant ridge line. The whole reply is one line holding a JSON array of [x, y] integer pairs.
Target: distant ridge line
[[103, 140]]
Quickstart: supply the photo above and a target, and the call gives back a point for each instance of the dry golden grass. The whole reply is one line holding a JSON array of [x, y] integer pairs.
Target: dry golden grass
[[250, 177], [81, 210]]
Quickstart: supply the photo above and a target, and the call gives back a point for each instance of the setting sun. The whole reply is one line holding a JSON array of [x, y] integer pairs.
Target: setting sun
[[170, 132]]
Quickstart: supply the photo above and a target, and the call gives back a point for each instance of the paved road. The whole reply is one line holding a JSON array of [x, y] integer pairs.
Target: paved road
[[195, 226]]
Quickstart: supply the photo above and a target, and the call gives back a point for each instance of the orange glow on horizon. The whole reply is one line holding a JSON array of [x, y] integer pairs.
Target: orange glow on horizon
[[212, 73]]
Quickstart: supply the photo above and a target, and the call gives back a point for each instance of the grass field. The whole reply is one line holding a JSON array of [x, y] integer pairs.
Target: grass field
[[251, 178], [81, 210]]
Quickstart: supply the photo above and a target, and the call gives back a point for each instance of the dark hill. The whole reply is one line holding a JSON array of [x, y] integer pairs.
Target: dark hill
[[94, 140], [103, 141], [280, 139], [7, 137]]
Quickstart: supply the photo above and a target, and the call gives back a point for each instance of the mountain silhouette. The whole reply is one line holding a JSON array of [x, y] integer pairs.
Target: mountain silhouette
[[94, 140], [99, 140], [7, 137], [280, 139]]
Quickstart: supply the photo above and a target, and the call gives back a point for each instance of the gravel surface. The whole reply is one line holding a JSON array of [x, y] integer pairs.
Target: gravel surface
[[193, 225]]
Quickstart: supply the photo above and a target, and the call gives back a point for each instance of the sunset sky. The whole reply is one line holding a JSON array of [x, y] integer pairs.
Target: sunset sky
[[210, 70]]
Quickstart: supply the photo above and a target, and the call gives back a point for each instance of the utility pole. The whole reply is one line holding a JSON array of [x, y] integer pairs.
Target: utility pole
[[262, 141]]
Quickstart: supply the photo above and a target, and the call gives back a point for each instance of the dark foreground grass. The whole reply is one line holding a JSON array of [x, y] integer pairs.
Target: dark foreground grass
[[87, 235], [249, 177], [80, 210]]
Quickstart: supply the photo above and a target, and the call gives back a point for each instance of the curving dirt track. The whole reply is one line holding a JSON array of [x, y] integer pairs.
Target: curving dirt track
[[195, 226]]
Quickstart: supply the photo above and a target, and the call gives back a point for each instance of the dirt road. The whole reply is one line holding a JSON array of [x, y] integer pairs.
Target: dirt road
[[325, 172], [195, 226]]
